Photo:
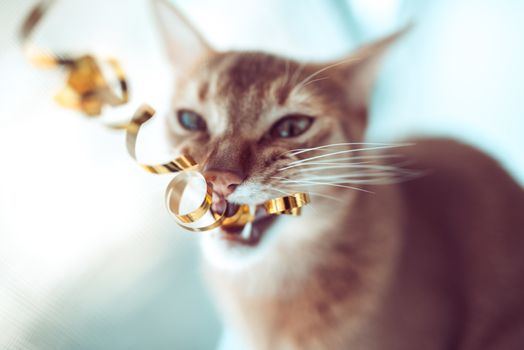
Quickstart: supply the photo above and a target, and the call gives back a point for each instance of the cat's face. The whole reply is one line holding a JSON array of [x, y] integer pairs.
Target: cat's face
[[245, 112], [242, 115]]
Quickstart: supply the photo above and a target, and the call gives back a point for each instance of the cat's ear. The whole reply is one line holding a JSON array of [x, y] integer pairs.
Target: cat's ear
[[184, 44], [361, 68]]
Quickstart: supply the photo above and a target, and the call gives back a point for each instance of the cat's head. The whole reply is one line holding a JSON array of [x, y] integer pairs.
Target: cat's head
[[242, 114]]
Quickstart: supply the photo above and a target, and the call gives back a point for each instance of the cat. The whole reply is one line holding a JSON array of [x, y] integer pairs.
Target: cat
[[432, 259]]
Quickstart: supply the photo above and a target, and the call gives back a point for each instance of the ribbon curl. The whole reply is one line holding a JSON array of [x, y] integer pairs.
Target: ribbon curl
[[87, 88], [186, 170]]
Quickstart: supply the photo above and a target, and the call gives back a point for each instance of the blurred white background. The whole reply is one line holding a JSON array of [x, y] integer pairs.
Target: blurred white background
[[89, 258]]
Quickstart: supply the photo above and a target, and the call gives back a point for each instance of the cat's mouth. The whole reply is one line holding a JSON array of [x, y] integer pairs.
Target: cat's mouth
[[249, 234]]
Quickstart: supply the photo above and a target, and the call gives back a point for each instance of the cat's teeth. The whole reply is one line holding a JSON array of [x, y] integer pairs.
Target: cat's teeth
[[247, 230], [252, 209]]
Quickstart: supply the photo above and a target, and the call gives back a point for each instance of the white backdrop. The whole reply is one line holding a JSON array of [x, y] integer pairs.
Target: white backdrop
[[89, 258]]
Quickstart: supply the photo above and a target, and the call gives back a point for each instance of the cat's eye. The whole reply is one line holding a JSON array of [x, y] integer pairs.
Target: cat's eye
[[291, 125], [191, 121]]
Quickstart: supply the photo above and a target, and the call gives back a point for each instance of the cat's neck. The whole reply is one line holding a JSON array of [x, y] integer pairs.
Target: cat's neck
[[333, 259], [328, 232]]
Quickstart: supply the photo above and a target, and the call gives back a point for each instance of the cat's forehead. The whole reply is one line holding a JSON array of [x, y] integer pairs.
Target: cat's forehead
[[245, 85], [239, 72], [246, 92]]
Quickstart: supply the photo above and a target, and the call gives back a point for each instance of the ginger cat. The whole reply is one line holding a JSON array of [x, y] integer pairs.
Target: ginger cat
[[432, 259]]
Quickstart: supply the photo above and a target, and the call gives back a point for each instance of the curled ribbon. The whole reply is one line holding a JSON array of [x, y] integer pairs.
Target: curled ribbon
[[290, 205], [87, 88], [186, 170]]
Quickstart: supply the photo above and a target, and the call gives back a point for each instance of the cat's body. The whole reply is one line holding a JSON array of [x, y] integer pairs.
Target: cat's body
[[433, 262]]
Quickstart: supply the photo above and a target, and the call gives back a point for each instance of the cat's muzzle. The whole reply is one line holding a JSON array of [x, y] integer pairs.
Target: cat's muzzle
[[202, 217]]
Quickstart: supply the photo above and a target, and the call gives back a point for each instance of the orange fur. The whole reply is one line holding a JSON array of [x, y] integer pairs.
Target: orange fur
[[431, 263]]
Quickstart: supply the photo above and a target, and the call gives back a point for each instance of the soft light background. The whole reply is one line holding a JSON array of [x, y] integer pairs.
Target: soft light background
[[89, 258]]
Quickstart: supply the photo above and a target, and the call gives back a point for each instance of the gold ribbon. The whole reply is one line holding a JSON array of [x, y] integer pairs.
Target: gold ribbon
[[173, 197], [87, 89], [290, 205], [142, 115], [186, 169]]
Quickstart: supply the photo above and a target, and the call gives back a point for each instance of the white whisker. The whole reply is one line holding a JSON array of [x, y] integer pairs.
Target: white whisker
[[300, 161], [311, 82], [333, 145], [372, 181], [367, 158], [350, 175], [318, 194], [315, 183], [368, 167], [322, 195], [314, 74], [280, 191], [297, 73], [286, 75]]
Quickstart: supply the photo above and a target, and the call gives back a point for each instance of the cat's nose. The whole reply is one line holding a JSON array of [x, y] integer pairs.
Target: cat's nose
[[224, 182]]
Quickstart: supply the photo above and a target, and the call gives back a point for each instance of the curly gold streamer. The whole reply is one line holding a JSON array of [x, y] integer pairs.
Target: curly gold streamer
[[242, 216], [185, 168], [86, 89], [173, 196], [290, 205], [142, 115]]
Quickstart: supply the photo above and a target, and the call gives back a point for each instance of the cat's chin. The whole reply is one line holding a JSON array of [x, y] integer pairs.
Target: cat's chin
[[235, 249]]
